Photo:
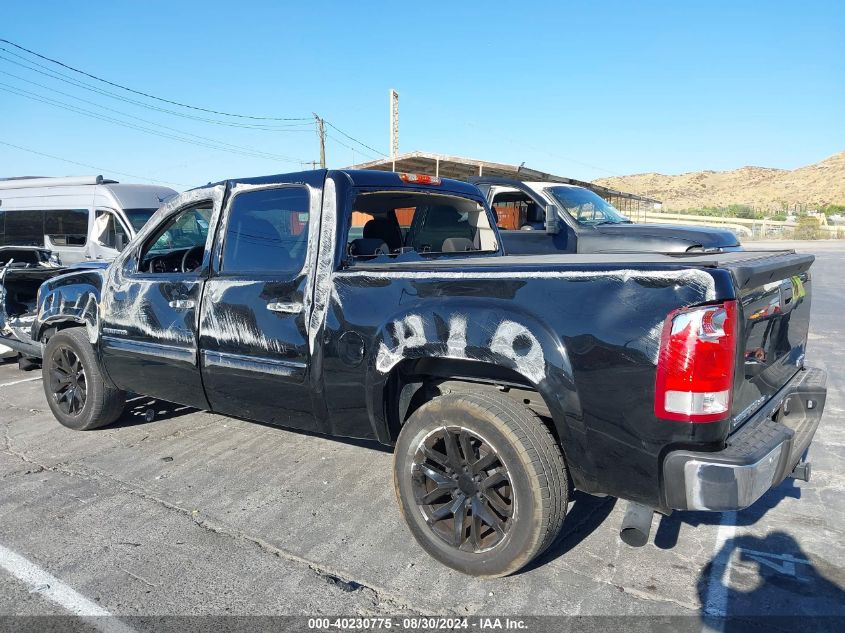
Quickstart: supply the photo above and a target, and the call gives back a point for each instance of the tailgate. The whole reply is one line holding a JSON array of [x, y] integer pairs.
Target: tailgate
[[774, 294]]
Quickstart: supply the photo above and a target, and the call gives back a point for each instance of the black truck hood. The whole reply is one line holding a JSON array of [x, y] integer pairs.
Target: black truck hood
[[694, 236]]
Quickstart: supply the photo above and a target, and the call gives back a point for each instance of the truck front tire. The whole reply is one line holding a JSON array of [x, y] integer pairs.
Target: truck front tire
[[78, 394], [481, 482]]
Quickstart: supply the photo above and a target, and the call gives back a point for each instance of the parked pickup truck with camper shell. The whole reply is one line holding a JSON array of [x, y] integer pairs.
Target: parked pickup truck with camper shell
[[554, 217], [676, 382]]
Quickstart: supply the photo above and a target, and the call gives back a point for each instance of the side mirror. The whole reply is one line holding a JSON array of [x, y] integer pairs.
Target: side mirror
[[551, 220]]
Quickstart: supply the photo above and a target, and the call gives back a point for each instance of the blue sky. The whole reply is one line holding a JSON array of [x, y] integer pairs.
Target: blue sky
[[584, 89]]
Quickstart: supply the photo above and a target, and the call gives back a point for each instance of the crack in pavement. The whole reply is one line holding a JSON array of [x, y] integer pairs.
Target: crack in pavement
[[637, 593]]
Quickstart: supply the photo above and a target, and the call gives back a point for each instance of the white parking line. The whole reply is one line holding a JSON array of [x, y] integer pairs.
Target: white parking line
[[716, 599], [53, 589], [17, 382]]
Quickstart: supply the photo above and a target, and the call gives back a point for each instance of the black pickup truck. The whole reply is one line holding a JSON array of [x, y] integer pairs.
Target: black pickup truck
[[676, 382]]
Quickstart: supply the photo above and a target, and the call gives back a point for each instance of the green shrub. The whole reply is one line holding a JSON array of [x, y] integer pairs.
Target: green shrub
[[807, 229]]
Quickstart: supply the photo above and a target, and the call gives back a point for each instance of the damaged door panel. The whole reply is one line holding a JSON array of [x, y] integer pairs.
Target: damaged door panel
[[252, 322], [149, 325]]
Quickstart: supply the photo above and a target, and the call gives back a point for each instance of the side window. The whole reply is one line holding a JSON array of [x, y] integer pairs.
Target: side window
[[25, 228], [514, 210], [109, 231], [67, 227], [179, 244], [267, 231]]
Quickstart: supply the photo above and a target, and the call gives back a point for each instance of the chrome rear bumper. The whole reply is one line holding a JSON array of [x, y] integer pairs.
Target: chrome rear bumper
[[757, 457]]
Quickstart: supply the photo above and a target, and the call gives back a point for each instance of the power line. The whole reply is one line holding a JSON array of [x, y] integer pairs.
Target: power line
[[211, 144], [101, 169], [125, 114], [34, 67], [145, 94], [349, 147], [62, 77], [334, 127]]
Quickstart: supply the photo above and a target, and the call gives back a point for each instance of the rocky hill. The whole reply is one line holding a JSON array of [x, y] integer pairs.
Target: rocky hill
[[763, 188]]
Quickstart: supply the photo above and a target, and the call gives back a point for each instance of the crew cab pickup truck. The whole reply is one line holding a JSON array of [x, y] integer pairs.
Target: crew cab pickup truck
[[676, 382], [555, 217]]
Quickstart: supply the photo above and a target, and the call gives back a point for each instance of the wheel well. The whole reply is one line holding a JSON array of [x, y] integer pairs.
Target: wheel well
[[57, 326], [415, 382]]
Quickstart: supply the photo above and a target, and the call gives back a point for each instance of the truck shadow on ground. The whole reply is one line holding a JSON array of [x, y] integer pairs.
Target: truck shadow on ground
[[769, 583], [144, 410], [669, 528], [585, 515]]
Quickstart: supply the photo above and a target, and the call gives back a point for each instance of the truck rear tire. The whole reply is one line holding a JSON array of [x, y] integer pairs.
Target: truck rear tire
[[78, 394], [481, 482]]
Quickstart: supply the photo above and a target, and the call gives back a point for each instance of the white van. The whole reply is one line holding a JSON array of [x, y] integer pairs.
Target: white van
[[77, 218]]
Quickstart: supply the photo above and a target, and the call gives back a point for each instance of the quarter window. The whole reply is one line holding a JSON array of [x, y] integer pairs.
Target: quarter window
[[267, 231]]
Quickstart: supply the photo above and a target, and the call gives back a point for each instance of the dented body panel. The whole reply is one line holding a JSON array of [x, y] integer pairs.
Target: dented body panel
[[346, 348]]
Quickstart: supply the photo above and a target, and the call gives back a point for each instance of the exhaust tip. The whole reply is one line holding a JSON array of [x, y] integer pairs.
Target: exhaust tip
[[636, 524], [633, 536]]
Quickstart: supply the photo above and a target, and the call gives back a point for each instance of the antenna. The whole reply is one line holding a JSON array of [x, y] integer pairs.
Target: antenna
[[394, 126]]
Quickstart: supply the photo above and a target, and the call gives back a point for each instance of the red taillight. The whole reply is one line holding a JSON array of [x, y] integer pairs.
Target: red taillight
[[419, 179], [695, 368]]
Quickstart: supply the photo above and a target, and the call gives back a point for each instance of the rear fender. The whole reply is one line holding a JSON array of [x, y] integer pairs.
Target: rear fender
[[483, 333]]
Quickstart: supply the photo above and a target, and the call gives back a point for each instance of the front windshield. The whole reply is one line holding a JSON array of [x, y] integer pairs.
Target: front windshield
[[586, 207], [138, 217]]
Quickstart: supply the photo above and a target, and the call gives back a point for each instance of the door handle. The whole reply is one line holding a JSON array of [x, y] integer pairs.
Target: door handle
[[285, 307], [181, 304]]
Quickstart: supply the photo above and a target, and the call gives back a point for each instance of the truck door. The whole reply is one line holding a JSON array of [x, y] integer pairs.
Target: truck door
[[150, 303], [252, 325]]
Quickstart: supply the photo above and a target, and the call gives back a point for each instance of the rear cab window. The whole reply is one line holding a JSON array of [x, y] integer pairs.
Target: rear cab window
[[389, 226]]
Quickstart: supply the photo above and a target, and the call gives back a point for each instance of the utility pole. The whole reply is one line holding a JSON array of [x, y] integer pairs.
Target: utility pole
[[321, 132], [394, 126]]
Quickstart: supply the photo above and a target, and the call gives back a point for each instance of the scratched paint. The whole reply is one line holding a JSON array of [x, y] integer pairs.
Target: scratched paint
[[134, 313], [325, 262], [225, 327], [511, 341], [691, 277]]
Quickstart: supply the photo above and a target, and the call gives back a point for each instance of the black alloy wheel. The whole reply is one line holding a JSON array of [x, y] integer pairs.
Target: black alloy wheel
[[463, 489], [480, 480], [67, 381], [79, 394]]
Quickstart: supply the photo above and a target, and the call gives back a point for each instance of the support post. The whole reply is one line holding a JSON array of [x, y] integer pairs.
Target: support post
[[321, 132]]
